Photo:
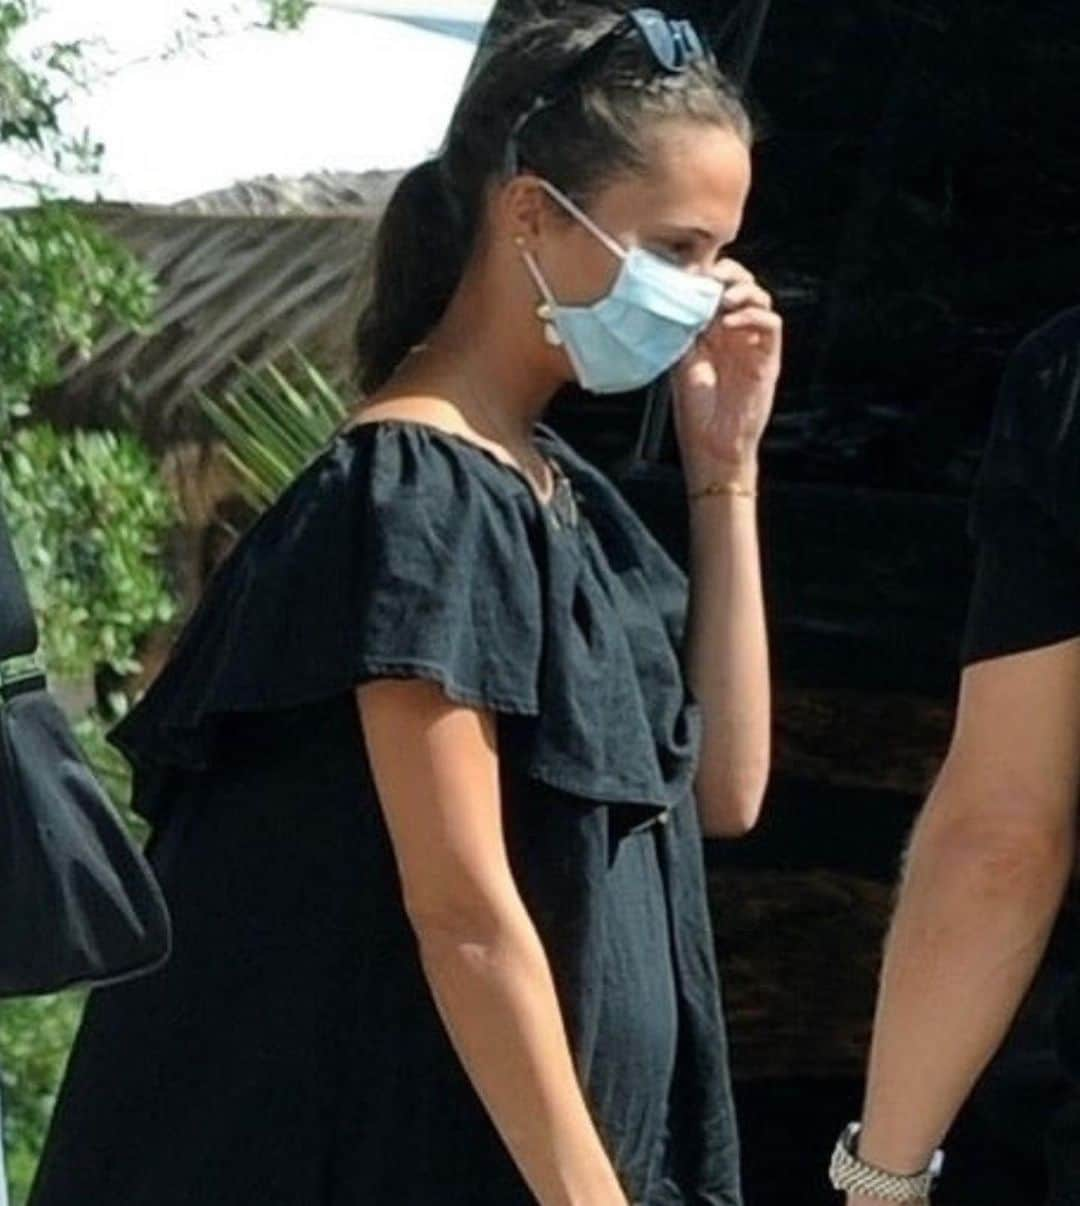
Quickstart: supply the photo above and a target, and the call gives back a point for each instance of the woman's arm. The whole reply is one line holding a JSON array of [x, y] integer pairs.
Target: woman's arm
[[436, 770], [985, 875], [724, 391], [728, 659]]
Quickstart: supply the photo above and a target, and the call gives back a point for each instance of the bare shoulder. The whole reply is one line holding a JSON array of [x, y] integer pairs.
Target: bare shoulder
[[411, 407], [425, 410], [417, 408]]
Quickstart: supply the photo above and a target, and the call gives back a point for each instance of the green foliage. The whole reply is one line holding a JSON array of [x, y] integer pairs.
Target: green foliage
[[32, 91], [13, 13], [27, 110], [35, 1037], [88, 513], [287, 14], [61, 281], [110, 767], [273, 422], [89, 516]]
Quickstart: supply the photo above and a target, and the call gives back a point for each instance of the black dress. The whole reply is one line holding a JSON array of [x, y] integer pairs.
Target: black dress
[[1026, 595], [290, 1054]]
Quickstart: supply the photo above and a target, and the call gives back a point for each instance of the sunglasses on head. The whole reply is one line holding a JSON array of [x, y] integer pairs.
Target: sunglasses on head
[[673, 42]]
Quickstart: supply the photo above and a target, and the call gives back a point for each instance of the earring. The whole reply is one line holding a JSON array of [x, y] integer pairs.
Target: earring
[[551, 334], [543, 309]]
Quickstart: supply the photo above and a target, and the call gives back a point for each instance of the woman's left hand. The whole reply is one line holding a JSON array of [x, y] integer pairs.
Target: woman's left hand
[[725, 385]]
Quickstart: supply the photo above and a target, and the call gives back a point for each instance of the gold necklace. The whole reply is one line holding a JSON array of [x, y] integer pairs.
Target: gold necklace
[[554, 471], [561, 501]]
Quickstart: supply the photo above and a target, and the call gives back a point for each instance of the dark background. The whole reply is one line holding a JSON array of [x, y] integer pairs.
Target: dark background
[[916, 211]]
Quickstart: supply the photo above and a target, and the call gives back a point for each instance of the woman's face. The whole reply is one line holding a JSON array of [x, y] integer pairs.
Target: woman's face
[[687, 209]]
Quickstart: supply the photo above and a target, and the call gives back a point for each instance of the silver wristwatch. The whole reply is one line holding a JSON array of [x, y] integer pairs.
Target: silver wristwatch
[[852, 1175]]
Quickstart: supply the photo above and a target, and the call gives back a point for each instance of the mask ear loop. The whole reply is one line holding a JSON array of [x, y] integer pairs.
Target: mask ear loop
[[611, 244], [545, 311]]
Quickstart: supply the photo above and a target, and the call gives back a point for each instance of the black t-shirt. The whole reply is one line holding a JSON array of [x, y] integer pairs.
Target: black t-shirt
[[1025, 513]]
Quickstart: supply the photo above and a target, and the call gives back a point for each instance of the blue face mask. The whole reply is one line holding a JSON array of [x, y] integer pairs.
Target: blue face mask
[[643, 326]]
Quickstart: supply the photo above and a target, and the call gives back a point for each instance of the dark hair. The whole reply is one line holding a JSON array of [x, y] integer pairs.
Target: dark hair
[[595, 131]]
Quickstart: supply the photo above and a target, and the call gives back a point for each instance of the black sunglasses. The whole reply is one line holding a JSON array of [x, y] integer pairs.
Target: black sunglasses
[[673, 42]]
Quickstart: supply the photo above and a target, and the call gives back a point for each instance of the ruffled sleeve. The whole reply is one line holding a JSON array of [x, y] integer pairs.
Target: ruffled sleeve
[[404, 551], [389, 556], [628, 728]]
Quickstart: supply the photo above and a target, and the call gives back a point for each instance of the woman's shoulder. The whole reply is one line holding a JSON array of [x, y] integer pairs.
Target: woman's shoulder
[[395, 506], [413, 452], [400, 552], [394, 552], [399, 477]]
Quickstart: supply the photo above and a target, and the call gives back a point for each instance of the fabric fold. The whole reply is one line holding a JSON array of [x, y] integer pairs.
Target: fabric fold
[[436, 560]]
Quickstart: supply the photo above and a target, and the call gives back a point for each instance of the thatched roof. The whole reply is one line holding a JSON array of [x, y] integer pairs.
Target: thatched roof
[[329, 193], [242, 273]]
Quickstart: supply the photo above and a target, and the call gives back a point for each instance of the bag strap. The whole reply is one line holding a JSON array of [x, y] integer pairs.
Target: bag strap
[[18, 629]]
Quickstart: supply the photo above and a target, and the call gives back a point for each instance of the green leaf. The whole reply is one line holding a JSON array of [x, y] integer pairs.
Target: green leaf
[[89, 516], [273, 422]]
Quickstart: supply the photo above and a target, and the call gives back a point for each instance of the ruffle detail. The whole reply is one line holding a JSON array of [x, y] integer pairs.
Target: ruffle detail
[[406, 551]]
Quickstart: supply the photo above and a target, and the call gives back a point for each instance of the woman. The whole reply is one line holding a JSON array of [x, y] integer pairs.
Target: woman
[[991, 857], [429, 767]]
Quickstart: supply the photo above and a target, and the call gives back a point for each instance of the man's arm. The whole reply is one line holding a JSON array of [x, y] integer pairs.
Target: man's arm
[[984, 878]]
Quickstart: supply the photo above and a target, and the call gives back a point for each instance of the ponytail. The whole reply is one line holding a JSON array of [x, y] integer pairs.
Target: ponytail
[[419, 257]]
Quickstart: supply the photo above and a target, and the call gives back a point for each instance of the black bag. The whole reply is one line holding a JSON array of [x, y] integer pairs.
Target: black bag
[[79, 904]]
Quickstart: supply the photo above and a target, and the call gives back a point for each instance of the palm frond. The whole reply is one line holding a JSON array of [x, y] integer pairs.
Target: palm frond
[[273, 421]]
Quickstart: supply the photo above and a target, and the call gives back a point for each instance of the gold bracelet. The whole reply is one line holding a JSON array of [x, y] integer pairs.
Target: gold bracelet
[[722, 488]]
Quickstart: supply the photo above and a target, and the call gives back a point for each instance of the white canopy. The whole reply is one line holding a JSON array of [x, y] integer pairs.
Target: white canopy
[[357, 87]]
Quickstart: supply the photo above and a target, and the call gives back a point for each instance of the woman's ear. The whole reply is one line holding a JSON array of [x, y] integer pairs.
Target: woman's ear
[[523, 208]]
